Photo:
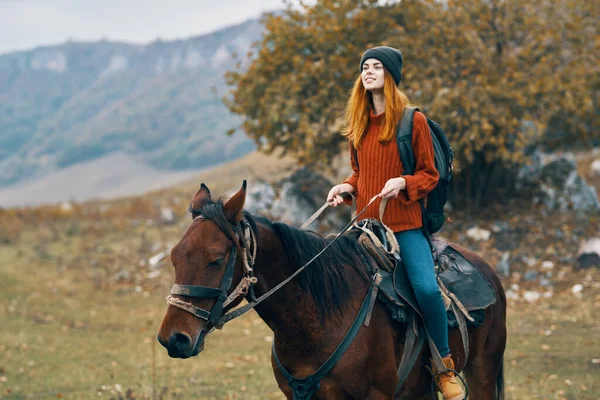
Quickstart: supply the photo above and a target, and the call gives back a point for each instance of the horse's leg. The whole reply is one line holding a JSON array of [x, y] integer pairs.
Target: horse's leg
[[482, 378], [484, 371]]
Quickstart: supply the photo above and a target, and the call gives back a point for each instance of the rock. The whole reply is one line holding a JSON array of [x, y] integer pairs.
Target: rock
[[595, 168], [260, 197], [156, 259], [577, 289], [500, 226], [553, 182], [548, 294], [589, 253], [479, 234], [531, 296], [512, 295], [303, 193], [530, 261], [503, 266], [530, 275], [167, 216], [545, 282], [547, 265]]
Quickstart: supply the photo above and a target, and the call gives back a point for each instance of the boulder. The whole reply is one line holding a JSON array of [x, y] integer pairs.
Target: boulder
[[553, 182], [303, 193], [260, 197], [294, 199]]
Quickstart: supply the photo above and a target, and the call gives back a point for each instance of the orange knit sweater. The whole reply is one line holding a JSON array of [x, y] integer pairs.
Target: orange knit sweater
[[380, 162]]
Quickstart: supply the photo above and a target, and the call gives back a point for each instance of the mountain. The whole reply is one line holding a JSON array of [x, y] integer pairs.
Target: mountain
[[160, 103]]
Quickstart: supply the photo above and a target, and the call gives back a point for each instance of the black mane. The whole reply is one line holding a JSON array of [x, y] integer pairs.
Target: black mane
[[334, 277], [331, 280]]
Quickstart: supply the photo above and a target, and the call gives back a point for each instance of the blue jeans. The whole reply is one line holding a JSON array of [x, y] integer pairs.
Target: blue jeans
[[417, 258]]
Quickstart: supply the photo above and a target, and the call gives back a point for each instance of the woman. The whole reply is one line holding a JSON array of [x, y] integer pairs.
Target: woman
[[373, 111]]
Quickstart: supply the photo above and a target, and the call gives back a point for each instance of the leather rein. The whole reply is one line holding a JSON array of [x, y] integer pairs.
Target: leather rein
[[245, 238]]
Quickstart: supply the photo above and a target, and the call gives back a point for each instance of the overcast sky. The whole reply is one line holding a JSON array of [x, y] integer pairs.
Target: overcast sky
[[25, 24]]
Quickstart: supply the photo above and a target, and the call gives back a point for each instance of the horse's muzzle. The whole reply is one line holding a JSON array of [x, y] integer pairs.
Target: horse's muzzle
[[180, 345]]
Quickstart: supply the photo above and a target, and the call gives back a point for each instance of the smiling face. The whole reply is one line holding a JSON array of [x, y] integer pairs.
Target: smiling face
[[372, 75]]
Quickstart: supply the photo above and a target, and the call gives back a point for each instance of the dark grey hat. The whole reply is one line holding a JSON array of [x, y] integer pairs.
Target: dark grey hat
[[390, 58]]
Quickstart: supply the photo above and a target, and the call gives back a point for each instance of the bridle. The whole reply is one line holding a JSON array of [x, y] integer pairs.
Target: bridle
[[223, 299], [215, 318]]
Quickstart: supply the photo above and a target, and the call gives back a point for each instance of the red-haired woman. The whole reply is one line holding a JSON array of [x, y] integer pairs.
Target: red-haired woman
[[373, 111]]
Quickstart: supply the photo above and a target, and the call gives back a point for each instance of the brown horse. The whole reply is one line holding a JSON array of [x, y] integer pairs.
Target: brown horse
[[311, 314]]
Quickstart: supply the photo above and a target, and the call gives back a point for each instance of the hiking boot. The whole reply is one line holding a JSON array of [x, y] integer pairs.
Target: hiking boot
[[446, 381]]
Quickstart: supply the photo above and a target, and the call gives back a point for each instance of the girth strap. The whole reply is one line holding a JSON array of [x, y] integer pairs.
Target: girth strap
[[464, 333], [413, 343], [305, 388]]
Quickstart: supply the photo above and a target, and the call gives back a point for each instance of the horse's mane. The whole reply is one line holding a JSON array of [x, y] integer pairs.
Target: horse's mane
[[331, 280]]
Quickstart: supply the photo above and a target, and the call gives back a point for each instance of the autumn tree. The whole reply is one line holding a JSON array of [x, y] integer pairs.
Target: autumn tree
[[493, 73]]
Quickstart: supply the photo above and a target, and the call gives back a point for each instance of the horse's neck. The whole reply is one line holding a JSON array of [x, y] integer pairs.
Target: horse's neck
[[290, 312]]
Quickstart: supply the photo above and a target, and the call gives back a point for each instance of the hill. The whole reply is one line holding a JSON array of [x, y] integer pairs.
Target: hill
[[72, 103]]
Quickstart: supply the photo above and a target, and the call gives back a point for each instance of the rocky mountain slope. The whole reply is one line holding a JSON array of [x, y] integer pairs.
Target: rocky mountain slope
[[76, 102]]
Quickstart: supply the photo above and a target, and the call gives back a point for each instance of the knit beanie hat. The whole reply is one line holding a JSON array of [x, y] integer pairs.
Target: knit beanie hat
[[390, 58]]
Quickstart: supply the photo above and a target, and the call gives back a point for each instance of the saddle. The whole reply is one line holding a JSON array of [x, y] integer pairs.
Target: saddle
[[461, 283], [466, 292]]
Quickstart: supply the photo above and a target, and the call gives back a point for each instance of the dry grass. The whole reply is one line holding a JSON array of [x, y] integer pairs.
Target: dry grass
[[63, 337], [80, 309]]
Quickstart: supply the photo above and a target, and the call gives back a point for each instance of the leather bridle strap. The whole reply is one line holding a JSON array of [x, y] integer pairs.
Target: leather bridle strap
[[195, 291], [203, 292]]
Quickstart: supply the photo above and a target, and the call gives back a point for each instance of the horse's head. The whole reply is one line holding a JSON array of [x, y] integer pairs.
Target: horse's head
[[208, 268]]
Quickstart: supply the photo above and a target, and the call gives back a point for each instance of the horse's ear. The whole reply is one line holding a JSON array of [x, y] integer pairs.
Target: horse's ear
[[235, 205], [201, 198]]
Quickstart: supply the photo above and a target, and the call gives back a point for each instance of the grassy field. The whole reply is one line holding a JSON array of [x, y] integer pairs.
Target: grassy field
[[80, 307]]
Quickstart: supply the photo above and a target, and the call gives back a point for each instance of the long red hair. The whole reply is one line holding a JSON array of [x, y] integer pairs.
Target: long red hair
[[361, 102]]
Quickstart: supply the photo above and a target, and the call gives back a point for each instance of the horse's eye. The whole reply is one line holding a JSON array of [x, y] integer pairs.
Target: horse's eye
[[215, 263]]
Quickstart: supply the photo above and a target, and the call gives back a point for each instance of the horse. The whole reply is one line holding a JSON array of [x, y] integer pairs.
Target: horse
[[310, 313]]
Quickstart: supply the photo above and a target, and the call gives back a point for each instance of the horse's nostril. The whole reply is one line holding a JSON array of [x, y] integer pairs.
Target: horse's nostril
[[181, 340]]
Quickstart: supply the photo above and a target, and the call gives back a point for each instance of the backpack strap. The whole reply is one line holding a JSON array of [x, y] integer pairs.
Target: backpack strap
[[404, 140], [407, 155]]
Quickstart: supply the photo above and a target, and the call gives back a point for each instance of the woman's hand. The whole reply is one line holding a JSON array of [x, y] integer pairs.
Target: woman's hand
[[334, 198], [393, 187]]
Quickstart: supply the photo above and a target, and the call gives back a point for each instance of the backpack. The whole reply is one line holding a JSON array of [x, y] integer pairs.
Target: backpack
[[432, 206]]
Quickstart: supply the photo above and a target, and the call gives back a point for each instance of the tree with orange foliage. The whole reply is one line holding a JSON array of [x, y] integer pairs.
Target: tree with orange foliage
[[493, 73]]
